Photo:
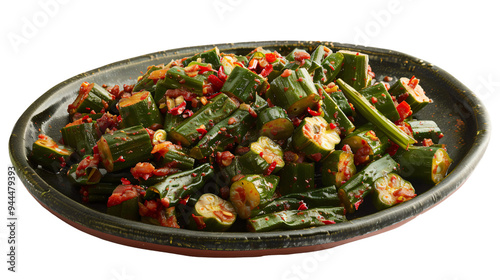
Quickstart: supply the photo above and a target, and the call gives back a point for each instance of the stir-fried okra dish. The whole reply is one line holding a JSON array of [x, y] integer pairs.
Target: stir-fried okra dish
[[256, 142]]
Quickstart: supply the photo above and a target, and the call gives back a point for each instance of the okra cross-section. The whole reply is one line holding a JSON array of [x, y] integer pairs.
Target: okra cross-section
[[265, 156], [411, 91], [390, 190], [423, 164], [274, 123], [49, 154], [315, 137], [252, 191], [212, 213]]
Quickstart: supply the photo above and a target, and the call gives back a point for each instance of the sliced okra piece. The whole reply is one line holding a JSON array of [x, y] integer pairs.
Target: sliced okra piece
[[92, 98], [98, 193], [409, 90], [244, 84], [333, 114], [320, 197], [354, 191], [369, 112], [300, 58], [211, 56], [124, 148], [333, 65], [379, 97], [277, 205], [49, 154], [140, 109], [175, 158], [90, 175], [355, 69], [193, 128], [338, 96], [425, 129], [274, 123], [296, 219], [172, 189], [124, 202], [423, 164], [81, 135], [230, 130], [251, 192], [338, 168], [315, 137], [212, 213], [367, 143], [181, 78], [294, 91], [320, 54], [265, 157], [390, 190], [146, 83], [296, 177]]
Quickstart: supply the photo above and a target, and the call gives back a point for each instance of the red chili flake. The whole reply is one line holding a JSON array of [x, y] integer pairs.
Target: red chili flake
[[213, 95], [200, 224], [300, 79], [313, 113], [333, 126], [286, 73], [356, 205], [347, 148], [328, 222], [125, 181], [374, 100], [252, 112], [441, 135], [193, 174], [221, 74], [316, 157], [271, 57], [178, 109], [427, 142], [302, 206], [187, 114], [216, 82], [202, 131], [261, 154], [231, 121], [271, 168], [120, 159], [404, 110], [266, 71]]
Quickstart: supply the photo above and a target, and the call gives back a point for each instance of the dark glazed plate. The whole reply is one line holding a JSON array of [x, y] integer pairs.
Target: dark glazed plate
[[458, 112]]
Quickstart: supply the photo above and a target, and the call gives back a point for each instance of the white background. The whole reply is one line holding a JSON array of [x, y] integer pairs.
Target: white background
[[44, 44]]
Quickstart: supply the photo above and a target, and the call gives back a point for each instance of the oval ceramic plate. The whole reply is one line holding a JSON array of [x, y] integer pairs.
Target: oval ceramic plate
[[459, 114]]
